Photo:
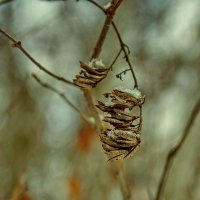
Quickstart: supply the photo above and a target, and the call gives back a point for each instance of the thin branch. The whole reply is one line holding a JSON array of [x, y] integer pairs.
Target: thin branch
[[117, 56], [90, 101], [110, 12], [124, 47], [120, 173], [18, 45], [174, 151], [121, 73], [62, 95]]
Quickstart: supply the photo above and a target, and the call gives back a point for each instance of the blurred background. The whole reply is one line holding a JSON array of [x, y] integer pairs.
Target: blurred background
[[46, 150]]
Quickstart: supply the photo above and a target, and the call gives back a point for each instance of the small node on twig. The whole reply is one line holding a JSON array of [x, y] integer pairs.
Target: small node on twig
[[107, 6], [91, 74], [127, 49], [16, 44], [122, 137]]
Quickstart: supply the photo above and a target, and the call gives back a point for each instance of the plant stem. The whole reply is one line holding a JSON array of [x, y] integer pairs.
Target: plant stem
[[18, 45], [174, 151]]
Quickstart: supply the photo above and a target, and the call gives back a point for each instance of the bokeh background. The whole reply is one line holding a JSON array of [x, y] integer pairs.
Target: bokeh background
[[46, 150]]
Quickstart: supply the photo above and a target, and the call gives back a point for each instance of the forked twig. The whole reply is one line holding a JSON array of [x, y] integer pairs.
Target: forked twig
[[18, 45], [121, 73], [174, 151], [110, 12], [124, 47], [62, 95], [96, 52]]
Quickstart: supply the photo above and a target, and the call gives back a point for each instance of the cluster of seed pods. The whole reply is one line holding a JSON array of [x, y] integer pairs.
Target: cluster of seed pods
[[91, 74], [121, 137]]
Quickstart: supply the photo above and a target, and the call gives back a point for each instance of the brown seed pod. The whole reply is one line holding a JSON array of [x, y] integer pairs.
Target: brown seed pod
[[124, 117], [116, 122], [119, 144], [128, 135], [123, 139], [91, 74], [82, 85], [112, 108], [127, 95], [117, 138]]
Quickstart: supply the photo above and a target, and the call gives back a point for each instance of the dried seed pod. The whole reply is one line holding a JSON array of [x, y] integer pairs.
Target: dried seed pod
[[116, 122], [119, 144], [91, 74], [120, 137], [132, 128], [123, 139], [127, 134], [124, 117], [127, 95], [112, 108], [82, 85], [116, 154]]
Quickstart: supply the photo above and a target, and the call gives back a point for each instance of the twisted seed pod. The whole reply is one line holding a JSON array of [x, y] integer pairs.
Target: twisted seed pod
[[91, 74], [119, 144], [123, 139]]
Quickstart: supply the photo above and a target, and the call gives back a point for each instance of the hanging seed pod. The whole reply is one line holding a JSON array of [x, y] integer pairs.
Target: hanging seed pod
[[110, 107], [127, 97], [124, 117], [116, 122], [133, 97], [119, 144], [91, 74], [122, 140]]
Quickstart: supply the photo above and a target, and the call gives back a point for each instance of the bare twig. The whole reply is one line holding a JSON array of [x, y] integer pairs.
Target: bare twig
[[97, 50], [62, 95], [124, 47], [121, 73], [18, 45], [117, 56], [174, 151], [120, 173], [110, 12]]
